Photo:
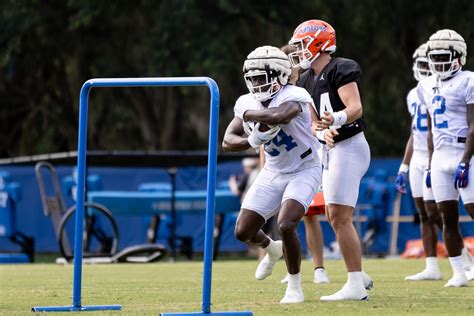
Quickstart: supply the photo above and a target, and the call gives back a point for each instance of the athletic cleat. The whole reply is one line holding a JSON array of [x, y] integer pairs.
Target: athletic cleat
[[293, 296], [470, 275], [457, 280], [368, 283], [265, 266], [466, 260], [285, 279], [347, 293], [425, 275], [320, 276]]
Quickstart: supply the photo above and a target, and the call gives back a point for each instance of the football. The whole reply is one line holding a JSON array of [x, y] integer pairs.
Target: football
[[263, 127]]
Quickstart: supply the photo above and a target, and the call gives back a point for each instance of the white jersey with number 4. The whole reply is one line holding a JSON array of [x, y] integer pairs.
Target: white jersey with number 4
[[294, 145], [447, 103], [419, 123]]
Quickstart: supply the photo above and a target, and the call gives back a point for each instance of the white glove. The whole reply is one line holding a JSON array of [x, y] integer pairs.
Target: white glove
[[247, 128], [257, 138]]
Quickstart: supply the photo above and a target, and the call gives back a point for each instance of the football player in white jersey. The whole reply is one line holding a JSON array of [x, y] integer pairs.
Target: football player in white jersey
[[449, 98], [416, 159], [292, 171]]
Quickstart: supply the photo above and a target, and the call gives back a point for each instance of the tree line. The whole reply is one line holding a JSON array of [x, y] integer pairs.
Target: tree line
[[49, 48]]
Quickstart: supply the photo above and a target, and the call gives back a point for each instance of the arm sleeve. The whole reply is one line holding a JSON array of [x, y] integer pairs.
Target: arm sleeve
[[346, 72]]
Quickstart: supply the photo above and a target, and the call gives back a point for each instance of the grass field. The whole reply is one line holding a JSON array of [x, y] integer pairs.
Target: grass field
[[167, 287]]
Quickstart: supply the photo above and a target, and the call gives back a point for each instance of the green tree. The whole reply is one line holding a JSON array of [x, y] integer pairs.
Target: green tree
[[49, 48]]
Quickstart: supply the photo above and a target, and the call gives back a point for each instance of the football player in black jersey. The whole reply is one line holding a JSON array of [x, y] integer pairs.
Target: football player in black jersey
[[338, 123]]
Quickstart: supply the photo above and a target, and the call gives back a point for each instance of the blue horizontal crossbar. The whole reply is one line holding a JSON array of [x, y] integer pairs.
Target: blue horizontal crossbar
[[153, 203], [14, 258], [242, 313], [76, 308]]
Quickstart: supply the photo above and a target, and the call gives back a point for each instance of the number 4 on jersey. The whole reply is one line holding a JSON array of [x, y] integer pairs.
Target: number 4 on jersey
[[325, 106]]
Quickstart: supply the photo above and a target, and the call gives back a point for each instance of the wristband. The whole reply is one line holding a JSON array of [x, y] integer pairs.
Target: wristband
[[403, 168], [340, 118]]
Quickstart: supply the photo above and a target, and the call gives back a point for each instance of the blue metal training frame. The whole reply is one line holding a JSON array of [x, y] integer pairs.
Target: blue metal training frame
[[211, 186]]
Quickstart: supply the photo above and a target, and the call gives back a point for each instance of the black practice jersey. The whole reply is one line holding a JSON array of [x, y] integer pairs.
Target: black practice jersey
[[323, 89]]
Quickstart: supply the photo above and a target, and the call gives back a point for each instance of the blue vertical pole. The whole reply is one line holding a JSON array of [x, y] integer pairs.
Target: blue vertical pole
[[81, 165], [211, 192]]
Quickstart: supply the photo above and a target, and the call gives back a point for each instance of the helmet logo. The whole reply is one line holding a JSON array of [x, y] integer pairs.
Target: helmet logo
[[313, 28]]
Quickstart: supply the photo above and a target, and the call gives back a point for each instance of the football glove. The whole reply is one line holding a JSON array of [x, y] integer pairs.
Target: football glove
[[257, 138], [247, 128], [401, 182], [428, 178], [461, 175]]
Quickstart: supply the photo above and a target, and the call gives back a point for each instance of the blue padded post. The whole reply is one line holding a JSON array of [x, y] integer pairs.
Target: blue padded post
[[81, 167]]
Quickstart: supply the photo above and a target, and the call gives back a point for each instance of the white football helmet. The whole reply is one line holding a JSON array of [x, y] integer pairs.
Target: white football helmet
[[421, 69], [266, 71], [447, 53]]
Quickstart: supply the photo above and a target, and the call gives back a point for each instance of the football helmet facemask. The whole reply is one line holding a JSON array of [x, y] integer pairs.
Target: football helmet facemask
[[447, 53], [421, 69], [266, 70], [311, 38]]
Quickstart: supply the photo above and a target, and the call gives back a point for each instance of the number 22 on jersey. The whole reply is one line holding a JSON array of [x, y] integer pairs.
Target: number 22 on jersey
[[439, 120]]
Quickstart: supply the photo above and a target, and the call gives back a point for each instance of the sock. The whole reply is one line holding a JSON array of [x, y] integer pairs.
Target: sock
[[457, 265], [355, 278], [294, 281], [432, 263], [272, 248]]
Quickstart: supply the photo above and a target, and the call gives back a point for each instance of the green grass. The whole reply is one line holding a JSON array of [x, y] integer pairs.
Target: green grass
[[167, 287]]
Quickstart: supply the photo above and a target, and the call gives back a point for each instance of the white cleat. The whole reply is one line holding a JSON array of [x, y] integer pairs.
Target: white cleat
[[285, 279], [293, 296], [457, 280], [466, 260], [425, 275], [368, 283], [347, 293], [265, 267], [320, 276], [470, 274]]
